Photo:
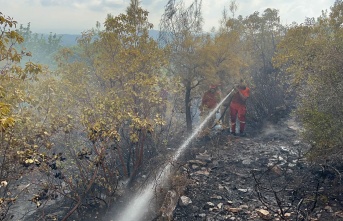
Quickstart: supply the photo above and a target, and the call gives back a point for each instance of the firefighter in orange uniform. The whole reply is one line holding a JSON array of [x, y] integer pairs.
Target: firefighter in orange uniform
[[238, 108], [209, 101]]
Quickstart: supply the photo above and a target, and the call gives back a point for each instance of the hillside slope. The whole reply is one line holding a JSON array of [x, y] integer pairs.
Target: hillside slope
[[262, 177]]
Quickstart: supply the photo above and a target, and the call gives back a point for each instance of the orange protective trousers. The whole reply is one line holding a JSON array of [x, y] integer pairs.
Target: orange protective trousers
[[240, 110]]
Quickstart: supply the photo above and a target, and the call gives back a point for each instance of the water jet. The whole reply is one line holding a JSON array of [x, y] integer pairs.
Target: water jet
[[136, 208]]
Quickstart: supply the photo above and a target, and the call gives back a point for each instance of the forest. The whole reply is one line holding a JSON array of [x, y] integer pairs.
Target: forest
[[80, 123]]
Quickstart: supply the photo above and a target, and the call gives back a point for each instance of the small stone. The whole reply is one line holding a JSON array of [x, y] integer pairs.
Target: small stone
[[291, 164], [204, 157], [185, 201], [244, 206], [197, 162], [287, 215], [264, 214], [216, 197], [233, 210], [339, 214], [328, 209], [284, 149], [202, 172], [3, 183], [243, 190], [210, 204], [202, 215], [194, 167]]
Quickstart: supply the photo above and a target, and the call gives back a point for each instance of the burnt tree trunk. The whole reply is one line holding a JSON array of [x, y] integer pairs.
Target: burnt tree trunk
[[188, 106]]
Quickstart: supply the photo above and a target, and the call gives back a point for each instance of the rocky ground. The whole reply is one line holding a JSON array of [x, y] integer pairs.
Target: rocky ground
[[263, 176], [259, 177]]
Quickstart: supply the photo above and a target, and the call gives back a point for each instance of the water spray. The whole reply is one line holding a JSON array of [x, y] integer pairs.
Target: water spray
[[138, 206]]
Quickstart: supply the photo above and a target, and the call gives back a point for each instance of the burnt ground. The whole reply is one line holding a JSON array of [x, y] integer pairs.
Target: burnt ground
[[263, 176]]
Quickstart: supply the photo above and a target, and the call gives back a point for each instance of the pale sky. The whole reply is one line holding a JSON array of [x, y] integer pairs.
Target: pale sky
[[75, 16]]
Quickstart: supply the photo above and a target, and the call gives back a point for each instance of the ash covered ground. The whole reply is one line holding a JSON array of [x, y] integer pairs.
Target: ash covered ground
[[263, 176]]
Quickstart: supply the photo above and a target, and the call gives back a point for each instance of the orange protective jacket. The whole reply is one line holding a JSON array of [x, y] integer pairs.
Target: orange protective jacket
[[237, 100], [210, 99]]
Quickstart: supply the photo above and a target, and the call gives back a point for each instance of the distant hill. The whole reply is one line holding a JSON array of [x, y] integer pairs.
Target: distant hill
[[154, 34], [69, 40]]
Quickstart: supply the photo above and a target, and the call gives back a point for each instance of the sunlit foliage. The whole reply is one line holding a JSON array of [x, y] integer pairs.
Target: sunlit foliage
[[111, 89], [20, 137], [311, 52]]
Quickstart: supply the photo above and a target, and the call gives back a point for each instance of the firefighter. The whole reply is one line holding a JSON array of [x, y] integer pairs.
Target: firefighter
[[209, 101], [238, 108]]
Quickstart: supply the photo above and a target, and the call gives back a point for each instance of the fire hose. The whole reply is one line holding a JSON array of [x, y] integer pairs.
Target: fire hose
[[229, 98]]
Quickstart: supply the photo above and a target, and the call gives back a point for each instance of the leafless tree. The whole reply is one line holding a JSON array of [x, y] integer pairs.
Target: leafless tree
[[179, 27]]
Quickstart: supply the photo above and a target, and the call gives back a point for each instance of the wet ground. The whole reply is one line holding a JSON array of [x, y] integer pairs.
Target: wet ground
[[259, 177]]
